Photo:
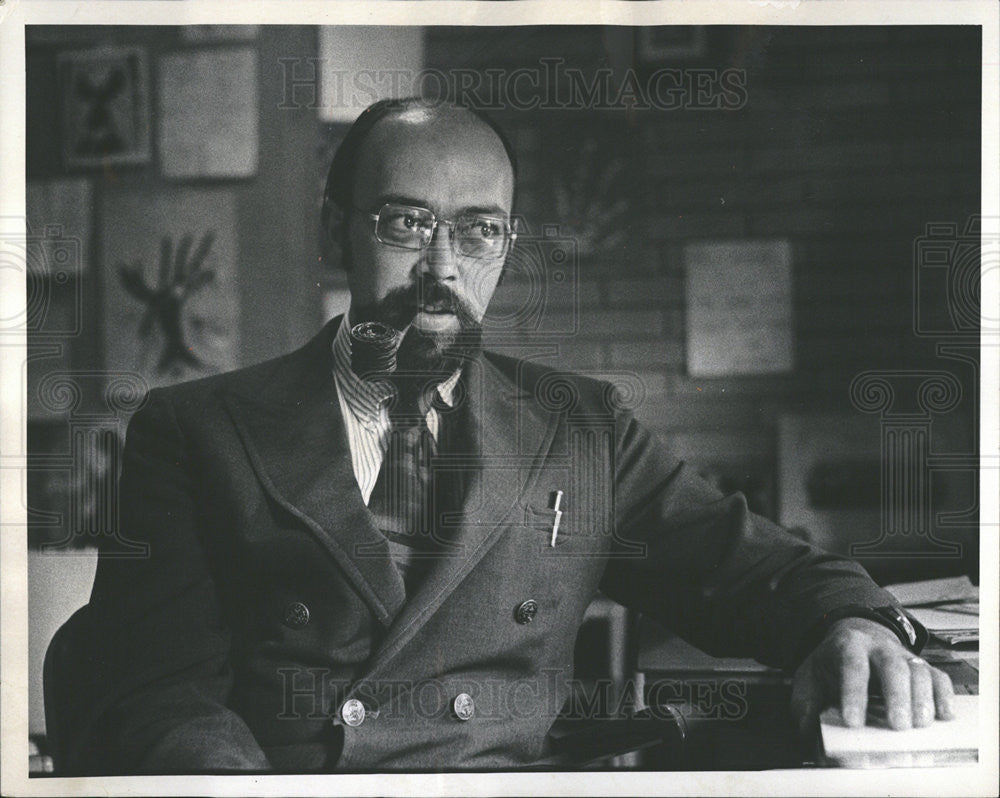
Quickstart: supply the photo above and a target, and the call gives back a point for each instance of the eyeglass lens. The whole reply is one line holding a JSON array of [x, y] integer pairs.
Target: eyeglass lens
[[475, 235]]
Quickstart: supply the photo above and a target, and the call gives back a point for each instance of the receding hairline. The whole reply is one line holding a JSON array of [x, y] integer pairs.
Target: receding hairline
[[341, 178], [421, 118]]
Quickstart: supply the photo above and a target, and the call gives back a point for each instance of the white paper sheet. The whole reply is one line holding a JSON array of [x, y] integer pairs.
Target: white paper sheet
[[208, 113], [876, 745], [59, 212], [955, 588], [739, 307]]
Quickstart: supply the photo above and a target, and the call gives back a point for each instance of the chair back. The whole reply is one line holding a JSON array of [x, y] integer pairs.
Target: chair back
[[62, 688]]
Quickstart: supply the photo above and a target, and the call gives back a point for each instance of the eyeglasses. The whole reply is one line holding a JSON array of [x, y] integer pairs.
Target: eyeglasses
[[475, 235]]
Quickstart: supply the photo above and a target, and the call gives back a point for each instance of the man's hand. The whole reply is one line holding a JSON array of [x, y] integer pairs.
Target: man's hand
[[854, 652]]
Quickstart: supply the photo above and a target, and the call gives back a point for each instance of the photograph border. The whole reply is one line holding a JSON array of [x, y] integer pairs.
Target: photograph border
[[980, 779]]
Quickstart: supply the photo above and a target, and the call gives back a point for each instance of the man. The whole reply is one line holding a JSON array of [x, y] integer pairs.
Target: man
[[295, 614]]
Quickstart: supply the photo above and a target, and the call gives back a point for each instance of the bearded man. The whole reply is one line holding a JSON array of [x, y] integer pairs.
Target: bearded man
[[375, 553]]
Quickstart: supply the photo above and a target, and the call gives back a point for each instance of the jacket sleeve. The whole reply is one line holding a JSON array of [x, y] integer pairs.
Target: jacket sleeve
[[731, 582], [161, 672]]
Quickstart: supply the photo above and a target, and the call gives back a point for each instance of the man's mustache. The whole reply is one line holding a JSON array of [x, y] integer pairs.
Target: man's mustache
[[400, 305], [436, 295]]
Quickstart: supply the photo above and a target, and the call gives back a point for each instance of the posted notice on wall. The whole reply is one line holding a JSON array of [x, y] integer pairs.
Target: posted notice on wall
[[208, 113], [739, 307]]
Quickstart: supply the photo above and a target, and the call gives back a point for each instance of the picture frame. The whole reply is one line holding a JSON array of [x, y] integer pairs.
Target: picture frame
[[661, 43], [171, 299], [104, 106]]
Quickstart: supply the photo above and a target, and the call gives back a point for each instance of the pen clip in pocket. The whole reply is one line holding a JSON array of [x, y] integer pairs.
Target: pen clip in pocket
[[548, 522]]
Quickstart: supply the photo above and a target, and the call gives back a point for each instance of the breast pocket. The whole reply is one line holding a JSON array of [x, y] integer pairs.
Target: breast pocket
[[547, 527], [573, 531]]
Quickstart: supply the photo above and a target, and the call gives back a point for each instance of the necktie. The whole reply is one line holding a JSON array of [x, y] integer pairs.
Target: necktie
[[401, 501]]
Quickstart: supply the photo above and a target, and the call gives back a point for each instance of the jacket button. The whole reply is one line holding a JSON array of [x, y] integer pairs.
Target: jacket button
[[353, 712], [296, 615], [526, 611], [464, 706]]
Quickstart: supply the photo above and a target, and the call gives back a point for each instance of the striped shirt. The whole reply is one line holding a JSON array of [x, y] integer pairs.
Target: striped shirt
[[364, 408]]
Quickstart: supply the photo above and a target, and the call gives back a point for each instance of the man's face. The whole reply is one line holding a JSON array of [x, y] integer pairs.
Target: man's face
[[451, 164]]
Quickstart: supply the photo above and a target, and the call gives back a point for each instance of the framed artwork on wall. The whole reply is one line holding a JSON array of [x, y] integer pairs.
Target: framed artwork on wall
[[674, 42], [67, 483], [739, 307], [171, 309], [208, 111], [104, 97], [204, 34], [59, 213]]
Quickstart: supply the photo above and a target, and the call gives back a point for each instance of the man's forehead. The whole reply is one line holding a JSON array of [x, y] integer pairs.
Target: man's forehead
[[428, 152], [436, 125]]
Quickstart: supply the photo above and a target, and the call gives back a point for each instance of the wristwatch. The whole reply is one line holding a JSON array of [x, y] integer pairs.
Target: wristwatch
[[909, 631]]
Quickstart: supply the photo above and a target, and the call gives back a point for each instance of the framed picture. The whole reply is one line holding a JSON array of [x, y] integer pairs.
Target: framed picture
[[739, 307], [673, 42], [203, 34], [67, 483], [208, 113], [59, 215], [171, 299], [104, 95]]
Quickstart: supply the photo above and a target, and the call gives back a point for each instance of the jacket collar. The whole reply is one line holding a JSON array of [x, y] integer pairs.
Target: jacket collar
[[507, 439], [296, 439], [297, 443], [366, 399]]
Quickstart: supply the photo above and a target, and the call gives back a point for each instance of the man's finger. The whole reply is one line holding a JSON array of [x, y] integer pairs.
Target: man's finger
[[921, 691], [854, 673], [944, 692], [894, 675], [807, 698]]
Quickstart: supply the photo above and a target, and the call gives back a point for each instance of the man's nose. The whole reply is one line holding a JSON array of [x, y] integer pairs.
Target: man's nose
[[439, 258]]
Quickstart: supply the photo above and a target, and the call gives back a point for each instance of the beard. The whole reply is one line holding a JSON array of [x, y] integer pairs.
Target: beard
[[426, 353]]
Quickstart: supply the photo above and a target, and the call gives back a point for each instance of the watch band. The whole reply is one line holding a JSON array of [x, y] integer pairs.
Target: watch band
[[909, 631]]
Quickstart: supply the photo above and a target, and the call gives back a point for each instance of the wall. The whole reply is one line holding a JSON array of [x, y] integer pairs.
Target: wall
[[275, 209], [276, 268], [850, 142]]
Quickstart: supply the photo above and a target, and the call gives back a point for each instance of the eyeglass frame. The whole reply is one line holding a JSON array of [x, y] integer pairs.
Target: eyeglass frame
[[511, 229]]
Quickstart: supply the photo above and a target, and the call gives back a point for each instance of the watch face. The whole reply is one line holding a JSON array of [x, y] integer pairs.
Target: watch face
[[900, 622], [911, 633]]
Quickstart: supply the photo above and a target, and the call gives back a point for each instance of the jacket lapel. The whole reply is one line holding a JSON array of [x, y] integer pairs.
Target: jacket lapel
[[297, 442], [507, 439]]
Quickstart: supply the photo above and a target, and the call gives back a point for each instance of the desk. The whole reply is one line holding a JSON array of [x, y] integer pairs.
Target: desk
[[737, 709]]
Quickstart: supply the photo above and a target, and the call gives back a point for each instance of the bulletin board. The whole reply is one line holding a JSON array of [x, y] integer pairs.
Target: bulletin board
[[739, 307]]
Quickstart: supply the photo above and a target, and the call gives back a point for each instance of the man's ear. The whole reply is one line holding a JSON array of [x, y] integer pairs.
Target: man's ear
[[506, 258], [335, 249]]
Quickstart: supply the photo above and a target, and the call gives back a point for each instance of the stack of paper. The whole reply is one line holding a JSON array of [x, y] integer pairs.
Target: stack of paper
[[876, 745], [949, 608]]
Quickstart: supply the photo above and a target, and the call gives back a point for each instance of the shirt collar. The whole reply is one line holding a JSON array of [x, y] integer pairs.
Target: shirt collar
[[366, 398]]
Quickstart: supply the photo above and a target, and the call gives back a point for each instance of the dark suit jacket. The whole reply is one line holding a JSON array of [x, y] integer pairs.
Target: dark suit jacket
[[243, 489]]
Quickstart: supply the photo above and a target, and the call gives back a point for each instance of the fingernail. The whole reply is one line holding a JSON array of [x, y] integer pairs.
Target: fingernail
[[899, 719], [945, 711], [852, 716], [924, 716]]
